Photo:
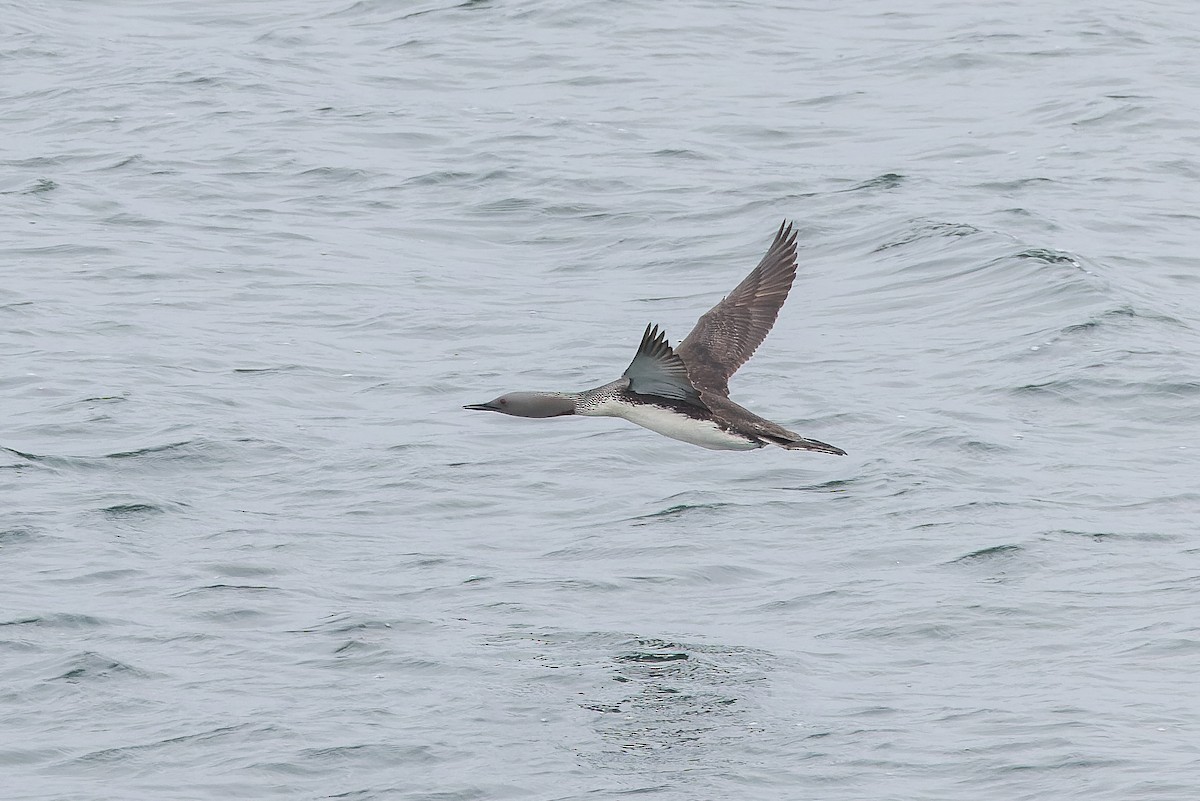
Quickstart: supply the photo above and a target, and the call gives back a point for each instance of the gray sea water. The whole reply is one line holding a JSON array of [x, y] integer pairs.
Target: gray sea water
[[256, 255]]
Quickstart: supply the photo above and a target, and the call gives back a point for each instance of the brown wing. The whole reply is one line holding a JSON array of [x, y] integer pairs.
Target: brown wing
[[729, 333]]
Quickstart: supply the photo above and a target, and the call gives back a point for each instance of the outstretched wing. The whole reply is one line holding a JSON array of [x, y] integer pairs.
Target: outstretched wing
[[658, 370], [729, 333]]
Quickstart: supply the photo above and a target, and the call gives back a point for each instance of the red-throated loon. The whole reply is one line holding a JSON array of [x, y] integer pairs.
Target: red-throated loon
[[684, 393]]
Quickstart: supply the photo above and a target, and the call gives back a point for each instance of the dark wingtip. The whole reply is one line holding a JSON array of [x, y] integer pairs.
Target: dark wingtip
[[787, 235], [654, 342]]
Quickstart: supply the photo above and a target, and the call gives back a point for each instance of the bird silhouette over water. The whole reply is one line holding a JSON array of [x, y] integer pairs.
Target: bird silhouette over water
[[683, 393]]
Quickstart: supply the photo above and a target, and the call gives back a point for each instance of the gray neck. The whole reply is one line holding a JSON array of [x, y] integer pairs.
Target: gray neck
[[561, 402], [540, 404]]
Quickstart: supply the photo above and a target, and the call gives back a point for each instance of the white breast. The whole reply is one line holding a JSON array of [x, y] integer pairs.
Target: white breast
[[704, 433]]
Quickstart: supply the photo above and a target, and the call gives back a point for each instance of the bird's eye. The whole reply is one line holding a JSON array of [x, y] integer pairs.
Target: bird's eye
[[503, 402]]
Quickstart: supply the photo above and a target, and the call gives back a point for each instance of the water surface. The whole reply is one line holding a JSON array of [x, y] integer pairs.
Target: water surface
[[257, 256]]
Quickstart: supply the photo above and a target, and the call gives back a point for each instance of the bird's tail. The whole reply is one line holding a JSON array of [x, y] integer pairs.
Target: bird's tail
[[802, 444], [750, 423]]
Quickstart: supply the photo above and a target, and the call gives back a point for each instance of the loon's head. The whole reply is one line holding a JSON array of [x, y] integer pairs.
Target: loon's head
[[529, 404]]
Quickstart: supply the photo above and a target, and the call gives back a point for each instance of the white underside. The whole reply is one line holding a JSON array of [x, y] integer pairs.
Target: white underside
[[671, 424]]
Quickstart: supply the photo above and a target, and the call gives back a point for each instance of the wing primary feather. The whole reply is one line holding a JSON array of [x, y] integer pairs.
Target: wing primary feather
[[727, 335]]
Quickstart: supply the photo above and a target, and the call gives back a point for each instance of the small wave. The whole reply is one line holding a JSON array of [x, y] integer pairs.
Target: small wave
[[152, 450], [247, 733], [676, 511], [1048, 256], [211, 588], [652, 657], [283, 368], [1081, 389], [1119, 315], [1101, 536], [126, 510], [59, 621], [919, 230], [16, 535], [681, 153], [889, 180], [90, 666], [992, 552]]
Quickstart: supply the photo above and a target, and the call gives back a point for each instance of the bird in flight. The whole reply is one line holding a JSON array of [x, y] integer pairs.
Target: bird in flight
[[683, 393]]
